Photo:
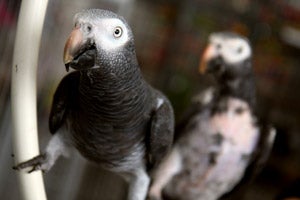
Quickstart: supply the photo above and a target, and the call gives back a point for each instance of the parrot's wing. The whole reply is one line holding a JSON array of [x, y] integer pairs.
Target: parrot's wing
[[259, 158], [64, 95], [160, 136], [263, 150]]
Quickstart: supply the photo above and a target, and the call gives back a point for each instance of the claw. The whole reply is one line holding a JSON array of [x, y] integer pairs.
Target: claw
[[34, 168], [35, 163]]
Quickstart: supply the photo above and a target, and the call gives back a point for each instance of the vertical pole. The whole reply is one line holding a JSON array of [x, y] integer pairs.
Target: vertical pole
[[23, 94]]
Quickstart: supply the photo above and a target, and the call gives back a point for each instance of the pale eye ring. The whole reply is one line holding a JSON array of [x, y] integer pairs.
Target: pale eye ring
[[118, 32]]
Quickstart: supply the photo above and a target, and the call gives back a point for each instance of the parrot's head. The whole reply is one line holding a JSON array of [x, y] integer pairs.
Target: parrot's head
[[227, 54], [99, 38]]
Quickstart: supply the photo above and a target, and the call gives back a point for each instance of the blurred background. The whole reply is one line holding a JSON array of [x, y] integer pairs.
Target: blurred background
[[169, 36]]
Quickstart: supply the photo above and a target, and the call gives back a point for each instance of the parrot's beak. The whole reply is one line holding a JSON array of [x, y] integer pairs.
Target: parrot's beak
[[73, 46], [209, 54]]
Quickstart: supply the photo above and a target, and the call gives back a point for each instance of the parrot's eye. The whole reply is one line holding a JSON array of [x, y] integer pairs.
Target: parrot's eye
[[239, 50], [118, 32], [89, 28], [218, 46]]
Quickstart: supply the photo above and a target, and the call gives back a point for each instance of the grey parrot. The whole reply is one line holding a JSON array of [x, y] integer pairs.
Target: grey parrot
[[105, 108], [219, 143]]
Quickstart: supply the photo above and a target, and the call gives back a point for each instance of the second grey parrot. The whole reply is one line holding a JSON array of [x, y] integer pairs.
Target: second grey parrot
[[220, 144]]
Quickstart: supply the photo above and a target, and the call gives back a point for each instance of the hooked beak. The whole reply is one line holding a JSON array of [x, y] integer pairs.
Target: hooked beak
[[209, 54], [73, 46]]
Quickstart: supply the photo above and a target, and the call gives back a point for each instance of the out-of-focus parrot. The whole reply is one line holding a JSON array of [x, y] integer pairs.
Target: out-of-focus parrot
[[105, 109], [220, 144]]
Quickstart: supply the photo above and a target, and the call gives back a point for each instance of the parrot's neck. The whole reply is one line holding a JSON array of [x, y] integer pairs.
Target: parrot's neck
[[239, 87]]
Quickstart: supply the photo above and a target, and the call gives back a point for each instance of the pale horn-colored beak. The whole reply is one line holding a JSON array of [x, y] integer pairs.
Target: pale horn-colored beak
[[72, 46], [208, 54]]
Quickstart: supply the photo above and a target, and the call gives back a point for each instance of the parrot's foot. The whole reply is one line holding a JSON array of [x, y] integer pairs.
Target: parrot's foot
[[37, 163], [154, 194], [153, 198]]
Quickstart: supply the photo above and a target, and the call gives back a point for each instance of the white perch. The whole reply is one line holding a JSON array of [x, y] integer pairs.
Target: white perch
[[23, 95]]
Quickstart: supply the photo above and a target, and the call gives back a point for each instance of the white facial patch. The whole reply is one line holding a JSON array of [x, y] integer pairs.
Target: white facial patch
[[233, 50], [110, 33]]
